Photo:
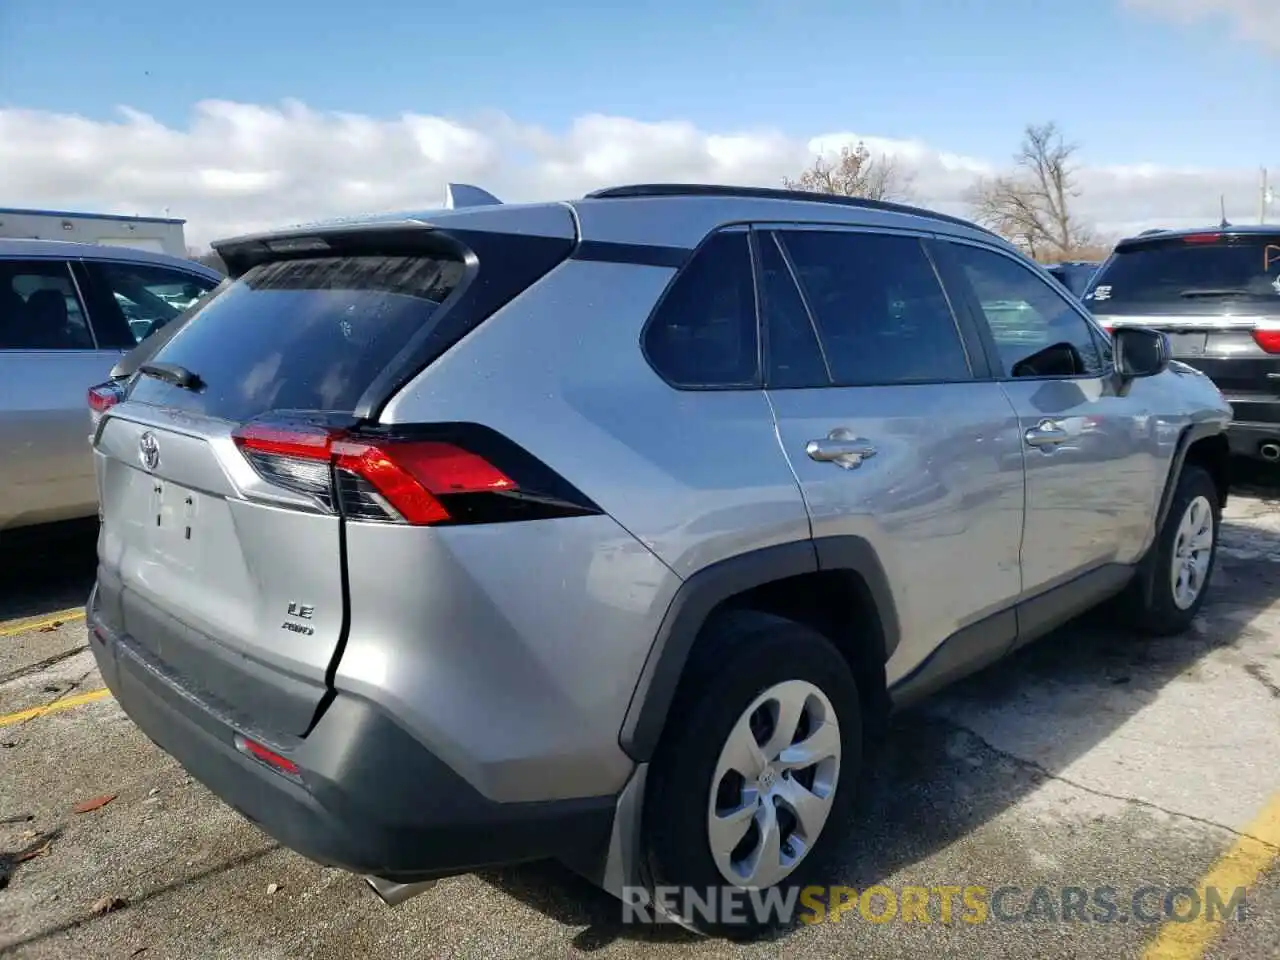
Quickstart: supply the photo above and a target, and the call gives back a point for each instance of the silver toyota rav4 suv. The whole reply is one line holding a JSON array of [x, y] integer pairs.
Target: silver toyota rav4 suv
[[611, 530]]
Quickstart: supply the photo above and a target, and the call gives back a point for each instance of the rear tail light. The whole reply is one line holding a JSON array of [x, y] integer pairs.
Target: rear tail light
[[1202, 238], [102, 398], [420, 480], [1267, 336]]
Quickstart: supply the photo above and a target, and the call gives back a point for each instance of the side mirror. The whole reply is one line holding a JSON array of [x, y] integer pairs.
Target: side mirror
[[1140, 352]]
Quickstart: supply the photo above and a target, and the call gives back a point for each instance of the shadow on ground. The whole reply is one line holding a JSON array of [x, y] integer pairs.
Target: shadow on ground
[[40, 575], [154, 893], [922, 795]]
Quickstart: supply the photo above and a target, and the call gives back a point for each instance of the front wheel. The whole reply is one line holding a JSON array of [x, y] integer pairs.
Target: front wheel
[[753, 780], [1185, 551]]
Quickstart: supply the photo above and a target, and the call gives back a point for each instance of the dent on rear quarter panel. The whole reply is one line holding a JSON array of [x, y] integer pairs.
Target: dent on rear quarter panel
[[697, 476], [510, 650]]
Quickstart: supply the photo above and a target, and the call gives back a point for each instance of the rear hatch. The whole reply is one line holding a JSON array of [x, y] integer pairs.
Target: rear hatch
[[225, 473], [1215, 293]]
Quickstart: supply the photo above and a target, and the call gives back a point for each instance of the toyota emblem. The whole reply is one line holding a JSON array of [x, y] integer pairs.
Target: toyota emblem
[[149, 450]]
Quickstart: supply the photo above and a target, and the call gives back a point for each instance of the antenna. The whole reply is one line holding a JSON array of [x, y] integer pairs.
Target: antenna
[[465, 195], [1222, 201]]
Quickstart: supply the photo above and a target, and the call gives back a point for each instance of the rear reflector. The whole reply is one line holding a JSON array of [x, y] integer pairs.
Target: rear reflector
[[410, 480], [268, 756]]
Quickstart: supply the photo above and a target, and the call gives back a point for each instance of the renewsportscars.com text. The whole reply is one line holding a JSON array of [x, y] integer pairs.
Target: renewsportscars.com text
[[944, 903]]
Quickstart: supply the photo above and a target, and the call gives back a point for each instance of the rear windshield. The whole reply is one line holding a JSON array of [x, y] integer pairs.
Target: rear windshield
[[1185, 274], [300, 335]]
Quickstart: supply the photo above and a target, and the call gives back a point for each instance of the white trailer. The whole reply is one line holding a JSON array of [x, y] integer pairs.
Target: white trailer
[[157, 234]]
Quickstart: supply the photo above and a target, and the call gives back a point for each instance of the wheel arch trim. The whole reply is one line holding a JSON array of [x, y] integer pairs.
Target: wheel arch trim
[[705, 590], [1190, 435]]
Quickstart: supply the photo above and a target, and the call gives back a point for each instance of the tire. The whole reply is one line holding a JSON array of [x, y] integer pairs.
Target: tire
[[740, 657], [1166, 611]]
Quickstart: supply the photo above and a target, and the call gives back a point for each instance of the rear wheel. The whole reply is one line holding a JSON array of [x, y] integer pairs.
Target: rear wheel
[[753, 780], [1184, 554]]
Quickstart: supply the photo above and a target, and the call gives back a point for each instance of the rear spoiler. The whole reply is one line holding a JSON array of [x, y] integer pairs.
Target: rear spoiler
[[395, 230], [1227, 236], [240, 253]]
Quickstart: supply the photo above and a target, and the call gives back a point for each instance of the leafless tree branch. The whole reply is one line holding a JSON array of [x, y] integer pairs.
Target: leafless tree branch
[[1032, 204], [856, 173]]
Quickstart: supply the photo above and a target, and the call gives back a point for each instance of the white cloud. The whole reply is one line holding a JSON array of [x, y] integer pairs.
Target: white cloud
[[235, 166], [1257, 21]]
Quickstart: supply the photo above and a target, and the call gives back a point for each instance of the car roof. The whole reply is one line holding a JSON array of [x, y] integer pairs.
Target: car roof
[[665, 214], [71, 249]]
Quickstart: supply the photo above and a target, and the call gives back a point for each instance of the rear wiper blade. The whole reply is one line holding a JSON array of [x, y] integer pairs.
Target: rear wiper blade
[[1216, 292], [172, 373]]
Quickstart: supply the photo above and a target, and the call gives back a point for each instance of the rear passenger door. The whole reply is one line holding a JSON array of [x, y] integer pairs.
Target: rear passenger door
[[897, 436], [49, 357], [1090, 453]]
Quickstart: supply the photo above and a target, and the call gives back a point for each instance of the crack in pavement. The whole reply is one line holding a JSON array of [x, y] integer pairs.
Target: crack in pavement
[[1256, 671], [41, 665], [1048, 774]]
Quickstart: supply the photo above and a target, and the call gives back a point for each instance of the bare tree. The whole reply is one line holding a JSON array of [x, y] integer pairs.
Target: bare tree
[[856, 173], [1032, 204]]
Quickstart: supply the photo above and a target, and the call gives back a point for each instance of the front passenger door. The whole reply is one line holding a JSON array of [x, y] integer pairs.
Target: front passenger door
[[1091, 472]]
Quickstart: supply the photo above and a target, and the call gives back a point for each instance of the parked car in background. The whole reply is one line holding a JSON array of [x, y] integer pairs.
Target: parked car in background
[[68, 313], [1074, 274], [612, 530], [1216, 293]]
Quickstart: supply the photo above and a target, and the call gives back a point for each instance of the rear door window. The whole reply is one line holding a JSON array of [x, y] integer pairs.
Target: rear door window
[[299, 335], [795, 354], [878, 306], [40, 308], [1189, 274]]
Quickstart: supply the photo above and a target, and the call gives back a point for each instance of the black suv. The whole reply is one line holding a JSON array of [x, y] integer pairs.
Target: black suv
[[1074, 274], [1216, 293]]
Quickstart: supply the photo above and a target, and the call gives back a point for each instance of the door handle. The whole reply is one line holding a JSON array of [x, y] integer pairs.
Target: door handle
[[842, 448], [1047, 433]]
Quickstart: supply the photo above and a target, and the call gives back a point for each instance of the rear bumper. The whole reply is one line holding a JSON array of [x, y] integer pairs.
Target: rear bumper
[[1255, 421], [1246, 439], [368, 797]]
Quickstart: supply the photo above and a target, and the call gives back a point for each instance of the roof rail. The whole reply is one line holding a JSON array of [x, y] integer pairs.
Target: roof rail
[[772, 193], [457, 195]]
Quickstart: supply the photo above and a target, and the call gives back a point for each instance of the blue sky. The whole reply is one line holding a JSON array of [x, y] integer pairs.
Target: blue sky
[[962, 75]]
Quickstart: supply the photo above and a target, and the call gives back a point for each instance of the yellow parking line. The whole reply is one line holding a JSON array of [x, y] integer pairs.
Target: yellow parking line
[[26, 626], [66, 703], [1242, 866]]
